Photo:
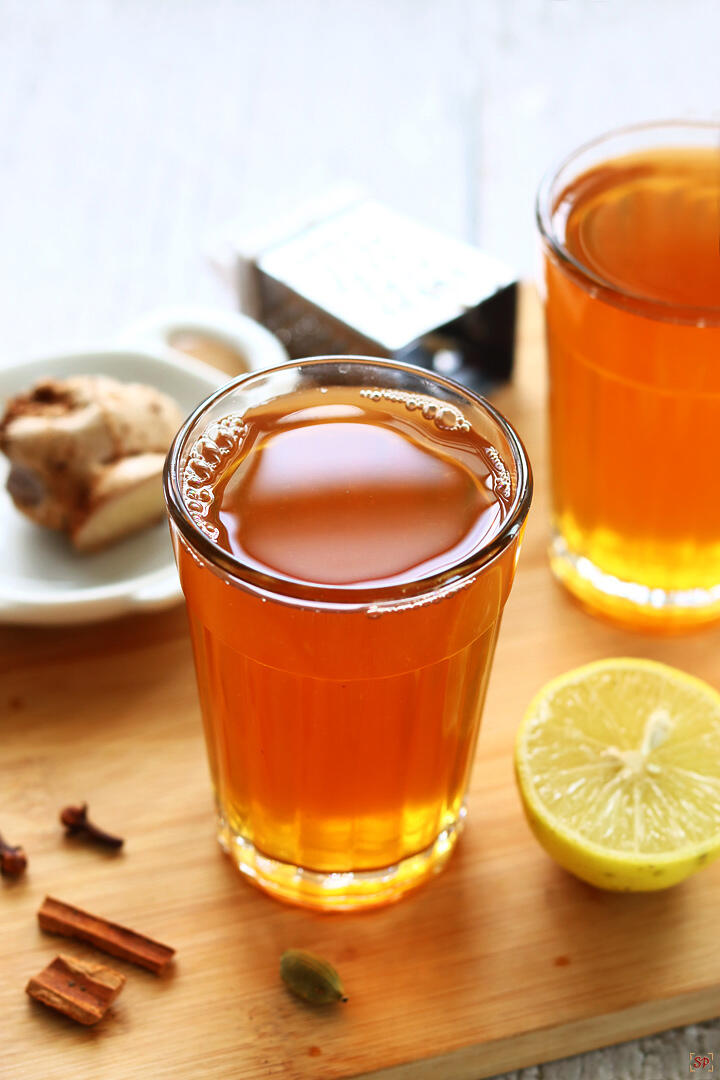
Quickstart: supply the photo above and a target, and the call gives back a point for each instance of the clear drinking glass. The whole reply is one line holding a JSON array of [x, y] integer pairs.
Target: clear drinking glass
[[629, 226], [341, 721]]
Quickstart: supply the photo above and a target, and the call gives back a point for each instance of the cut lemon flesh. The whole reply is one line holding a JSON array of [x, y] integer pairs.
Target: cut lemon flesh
[[618, 767]]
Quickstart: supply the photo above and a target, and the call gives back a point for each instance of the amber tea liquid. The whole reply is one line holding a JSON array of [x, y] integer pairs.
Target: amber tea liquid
[[633, 325], [341, 735]]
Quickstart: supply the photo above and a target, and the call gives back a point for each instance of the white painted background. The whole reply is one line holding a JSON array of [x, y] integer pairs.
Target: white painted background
[[131, 129]]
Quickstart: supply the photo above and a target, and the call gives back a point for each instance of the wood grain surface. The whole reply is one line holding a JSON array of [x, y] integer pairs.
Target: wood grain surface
[[502, 961]]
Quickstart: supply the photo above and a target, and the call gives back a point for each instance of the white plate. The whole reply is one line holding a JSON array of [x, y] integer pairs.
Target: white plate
[[42, 579]]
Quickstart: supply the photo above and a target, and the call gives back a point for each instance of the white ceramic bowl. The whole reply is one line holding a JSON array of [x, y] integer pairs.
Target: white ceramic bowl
[[42, 579]]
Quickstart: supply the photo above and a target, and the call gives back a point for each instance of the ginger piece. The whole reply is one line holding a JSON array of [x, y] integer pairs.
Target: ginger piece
[[124, 497], [86, 455], [81, 989]]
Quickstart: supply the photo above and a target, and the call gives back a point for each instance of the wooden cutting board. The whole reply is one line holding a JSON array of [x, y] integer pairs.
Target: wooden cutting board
[[502, 961]]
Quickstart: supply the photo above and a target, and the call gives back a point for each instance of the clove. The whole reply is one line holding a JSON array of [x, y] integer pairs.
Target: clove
[[77, 823], [13, 860]]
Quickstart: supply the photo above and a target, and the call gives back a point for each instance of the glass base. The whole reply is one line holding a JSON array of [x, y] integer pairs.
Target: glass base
[[637, 607], [348, 891]]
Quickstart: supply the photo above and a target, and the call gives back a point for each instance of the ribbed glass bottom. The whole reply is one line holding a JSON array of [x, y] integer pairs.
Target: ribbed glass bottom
[[351, 891], [638, 607]]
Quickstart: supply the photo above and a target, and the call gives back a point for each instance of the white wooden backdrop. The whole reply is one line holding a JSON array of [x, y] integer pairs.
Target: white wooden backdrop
[[131, 129]]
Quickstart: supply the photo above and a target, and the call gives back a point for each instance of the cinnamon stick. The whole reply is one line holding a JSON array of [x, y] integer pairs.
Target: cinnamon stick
[[58, 918], [80, 989]]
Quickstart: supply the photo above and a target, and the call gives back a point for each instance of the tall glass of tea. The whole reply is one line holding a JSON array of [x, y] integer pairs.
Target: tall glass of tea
[[346, 531], [630, 226]]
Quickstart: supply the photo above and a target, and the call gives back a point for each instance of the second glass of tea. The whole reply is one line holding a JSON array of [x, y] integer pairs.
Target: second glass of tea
[[630, 226], [346, 531]]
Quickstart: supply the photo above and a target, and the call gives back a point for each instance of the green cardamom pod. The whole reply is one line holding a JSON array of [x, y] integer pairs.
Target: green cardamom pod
[[311, 978]]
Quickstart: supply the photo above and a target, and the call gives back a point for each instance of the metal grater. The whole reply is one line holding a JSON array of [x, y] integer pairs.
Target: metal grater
[[350, 275]]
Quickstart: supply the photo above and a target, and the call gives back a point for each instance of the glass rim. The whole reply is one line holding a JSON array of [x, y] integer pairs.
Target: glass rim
[[286, 587], [590, 279]]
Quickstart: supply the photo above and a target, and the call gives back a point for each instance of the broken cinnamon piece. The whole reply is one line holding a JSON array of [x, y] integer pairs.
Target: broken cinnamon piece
[[58, 918], [81, 989]]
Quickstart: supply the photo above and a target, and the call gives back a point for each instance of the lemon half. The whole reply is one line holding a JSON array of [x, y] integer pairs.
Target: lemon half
[[618, 766]]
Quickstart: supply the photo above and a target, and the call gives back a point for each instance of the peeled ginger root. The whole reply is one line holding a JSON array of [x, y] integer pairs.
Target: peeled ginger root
[[86, 456]]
